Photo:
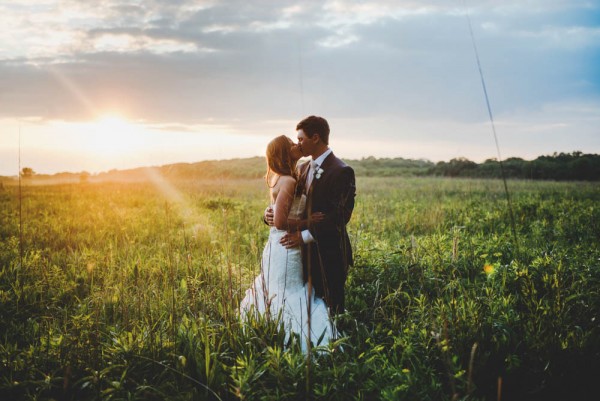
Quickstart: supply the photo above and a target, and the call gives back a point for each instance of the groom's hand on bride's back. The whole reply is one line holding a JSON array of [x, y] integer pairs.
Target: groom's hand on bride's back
[[269, 216], [316, 217]]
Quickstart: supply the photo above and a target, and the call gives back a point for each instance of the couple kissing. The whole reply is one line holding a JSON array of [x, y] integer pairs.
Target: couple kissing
[[306, 258]]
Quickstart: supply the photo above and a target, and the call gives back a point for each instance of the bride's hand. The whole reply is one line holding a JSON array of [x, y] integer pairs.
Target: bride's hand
[[317, 217], [291, 240]]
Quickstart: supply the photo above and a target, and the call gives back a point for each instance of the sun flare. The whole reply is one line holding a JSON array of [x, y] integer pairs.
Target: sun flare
[[113, 136]]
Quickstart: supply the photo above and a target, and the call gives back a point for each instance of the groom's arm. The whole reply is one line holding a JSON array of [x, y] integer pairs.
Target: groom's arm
[[346, 196], [307, 237], [269, 216], [339, 208]]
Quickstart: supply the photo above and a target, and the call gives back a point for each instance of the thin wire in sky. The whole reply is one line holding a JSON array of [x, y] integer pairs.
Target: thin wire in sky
[[301, 74], [491, 117]]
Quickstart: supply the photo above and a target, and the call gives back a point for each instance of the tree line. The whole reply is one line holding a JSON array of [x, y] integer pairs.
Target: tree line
[[575, 166]]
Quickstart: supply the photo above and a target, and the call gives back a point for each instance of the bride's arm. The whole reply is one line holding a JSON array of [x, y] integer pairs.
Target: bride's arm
[[283, 203]]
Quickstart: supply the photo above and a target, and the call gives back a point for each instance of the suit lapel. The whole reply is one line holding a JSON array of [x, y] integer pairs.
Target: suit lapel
[[303, 174], [325, 166]]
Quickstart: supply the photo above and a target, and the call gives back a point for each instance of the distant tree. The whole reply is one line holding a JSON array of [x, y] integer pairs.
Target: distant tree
[[489, 168], [515, 167], [84, 177], [27, 172], [459, 166]]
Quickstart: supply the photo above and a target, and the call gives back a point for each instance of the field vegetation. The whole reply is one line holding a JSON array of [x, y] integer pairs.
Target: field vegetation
[[130, 290]]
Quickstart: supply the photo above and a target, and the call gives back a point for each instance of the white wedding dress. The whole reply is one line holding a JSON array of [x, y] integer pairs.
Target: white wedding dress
[[279, 290]]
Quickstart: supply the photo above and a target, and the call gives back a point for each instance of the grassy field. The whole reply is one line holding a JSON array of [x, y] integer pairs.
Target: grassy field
[[130, 291]]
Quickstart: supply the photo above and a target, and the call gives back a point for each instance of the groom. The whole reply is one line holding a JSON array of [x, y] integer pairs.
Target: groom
[[330, 188]]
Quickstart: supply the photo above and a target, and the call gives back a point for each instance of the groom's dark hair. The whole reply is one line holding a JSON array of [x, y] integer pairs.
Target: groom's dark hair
[[315, 125]]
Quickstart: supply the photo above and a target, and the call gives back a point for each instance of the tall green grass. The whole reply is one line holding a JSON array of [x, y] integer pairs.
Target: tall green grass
[[131, 291]]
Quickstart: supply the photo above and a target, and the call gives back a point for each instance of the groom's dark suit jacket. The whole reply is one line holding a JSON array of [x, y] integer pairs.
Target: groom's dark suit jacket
[[327, 259]]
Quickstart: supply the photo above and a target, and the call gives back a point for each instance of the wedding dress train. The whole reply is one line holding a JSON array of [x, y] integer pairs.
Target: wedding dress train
[[280, 289]]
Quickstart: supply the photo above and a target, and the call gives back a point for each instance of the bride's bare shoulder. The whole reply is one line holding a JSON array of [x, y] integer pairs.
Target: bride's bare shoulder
[[287, 180], [286, 184]]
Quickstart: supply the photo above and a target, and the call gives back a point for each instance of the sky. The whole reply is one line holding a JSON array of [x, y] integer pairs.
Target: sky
[[103, 84]]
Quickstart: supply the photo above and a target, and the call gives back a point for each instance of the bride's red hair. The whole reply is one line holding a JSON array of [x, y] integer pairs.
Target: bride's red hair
[[279, 158]]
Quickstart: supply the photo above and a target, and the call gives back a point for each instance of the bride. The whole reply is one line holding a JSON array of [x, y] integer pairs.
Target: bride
[[279, 291]]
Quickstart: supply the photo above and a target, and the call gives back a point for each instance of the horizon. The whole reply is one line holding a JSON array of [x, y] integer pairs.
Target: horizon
[[115, 85], [111, 170]]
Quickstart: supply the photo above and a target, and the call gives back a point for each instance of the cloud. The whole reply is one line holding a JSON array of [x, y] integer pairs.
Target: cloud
[[405, 69]]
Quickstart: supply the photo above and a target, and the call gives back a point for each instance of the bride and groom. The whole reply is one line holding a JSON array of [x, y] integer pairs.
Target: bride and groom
[[305, 260]]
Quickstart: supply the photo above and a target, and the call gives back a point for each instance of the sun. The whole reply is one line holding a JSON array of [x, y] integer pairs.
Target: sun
[[113, 136]]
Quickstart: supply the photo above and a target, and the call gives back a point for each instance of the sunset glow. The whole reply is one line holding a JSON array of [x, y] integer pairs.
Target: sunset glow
[[115, 84], [113, 136]]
